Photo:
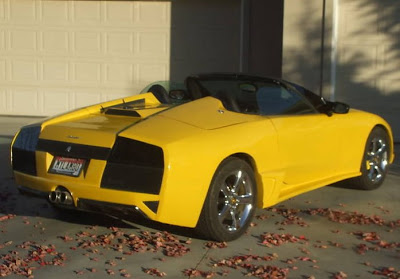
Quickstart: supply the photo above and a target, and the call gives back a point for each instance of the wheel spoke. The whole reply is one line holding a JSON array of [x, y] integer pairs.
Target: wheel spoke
[[379, 171], [371, 170], [245, 199], [234, 221], [381, 150], [376, 159], [238, 179], [374, 146], [224, 212], [225, 190]]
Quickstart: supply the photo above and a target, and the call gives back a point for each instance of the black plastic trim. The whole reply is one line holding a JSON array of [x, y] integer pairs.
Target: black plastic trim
[[132, 178], [73, 150], [24, 161], [153, 205], [134, 166], [23, 149], [122, 112], [107, 207]]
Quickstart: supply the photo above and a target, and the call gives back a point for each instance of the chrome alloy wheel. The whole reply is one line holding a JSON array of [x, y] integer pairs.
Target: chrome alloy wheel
[[235, 201], [376, 159]]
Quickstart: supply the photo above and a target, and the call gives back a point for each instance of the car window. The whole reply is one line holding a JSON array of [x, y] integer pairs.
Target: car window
[[313, 98], [274, 99]]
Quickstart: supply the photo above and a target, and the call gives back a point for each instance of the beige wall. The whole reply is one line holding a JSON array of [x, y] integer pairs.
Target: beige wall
[[302, 42], [368, 56]]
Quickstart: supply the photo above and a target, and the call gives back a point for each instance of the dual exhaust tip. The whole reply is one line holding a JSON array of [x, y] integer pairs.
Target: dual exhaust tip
[[61, 197]]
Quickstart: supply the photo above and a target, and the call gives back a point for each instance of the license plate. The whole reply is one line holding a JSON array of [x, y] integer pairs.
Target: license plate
[[67, 166]]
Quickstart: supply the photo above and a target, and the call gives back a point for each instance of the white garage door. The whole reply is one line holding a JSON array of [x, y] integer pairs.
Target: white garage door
[[369, 57], [59, 55]]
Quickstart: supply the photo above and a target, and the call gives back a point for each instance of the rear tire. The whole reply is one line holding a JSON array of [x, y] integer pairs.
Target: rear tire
[[375, 161], [230, 203]]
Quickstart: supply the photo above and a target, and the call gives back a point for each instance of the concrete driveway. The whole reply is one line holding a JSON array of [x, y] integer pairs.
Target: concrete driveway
[[332, 232]]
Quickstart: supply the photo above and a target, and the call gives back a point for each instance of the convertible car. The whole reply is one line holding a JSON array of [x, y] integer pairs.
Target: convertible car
[[202, 154]]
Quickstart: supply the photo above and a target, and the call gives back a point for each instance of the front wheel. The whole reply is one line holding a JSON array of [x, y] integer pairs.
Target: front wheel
[[230, 203], [375, 161]]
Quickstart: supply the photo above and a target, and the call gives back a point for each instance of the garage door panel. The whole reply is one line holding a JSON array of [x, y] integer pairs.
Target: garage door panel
[[81, 46], [2, 40], [24, 70], [23, 11], [119, 42], [3, 100], [2, 10], [23, 40], [87, 72], [151, 72], [87, 42], [152, 14], [56, 71], [119, 74], [25, 99], [2, 71], [86, 11], [54, 42], [119, 13], [65, 54], [114, 93], [150, 43], [56, 100], [55, 12], [85, 97]]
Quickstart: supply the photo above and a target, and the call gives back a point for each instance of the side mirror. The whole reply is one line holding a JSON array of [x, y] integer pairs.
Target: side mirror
[[178, 94], [340, 108]]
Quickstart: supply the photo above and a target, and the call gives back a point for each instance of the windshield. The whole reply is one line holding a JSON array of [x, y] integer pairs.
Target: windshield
[[256, 95]]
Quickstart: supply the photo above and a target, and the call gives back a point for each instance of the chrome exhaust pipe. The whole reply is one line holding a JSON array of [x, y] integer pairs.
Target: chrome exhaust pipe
[[61, 197], [54, 196], [66, 198]]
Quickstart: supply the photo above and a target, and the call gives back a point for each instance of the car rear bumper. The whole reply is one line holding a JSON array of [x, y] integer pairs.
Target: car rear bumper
[[90, 198]]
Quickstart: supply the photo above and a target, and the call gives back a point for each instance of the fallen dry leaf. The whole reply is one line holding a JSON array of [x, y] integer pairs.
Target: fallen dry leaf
[[273, 239], [154, 272], [388, 272], [215, 245], [340, 275]]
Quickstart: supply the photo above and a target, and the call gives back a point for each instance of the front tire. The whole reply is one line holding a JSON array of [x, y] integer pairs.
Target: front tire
[[375, 161], [230, 203]]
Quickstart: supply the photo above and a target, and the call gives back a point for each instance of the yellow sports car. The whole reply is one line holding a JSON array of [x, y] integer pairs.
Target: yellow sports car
[[202, 154]]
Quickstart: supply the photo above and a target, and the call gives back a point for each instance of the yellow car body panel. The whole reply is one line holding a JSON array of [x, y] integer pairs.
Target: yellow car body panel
[[290, 155]]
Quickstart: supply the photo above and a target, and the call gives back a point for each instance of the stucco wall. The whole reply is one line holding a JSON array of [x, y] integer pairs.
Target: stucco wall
[[368, 53]]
